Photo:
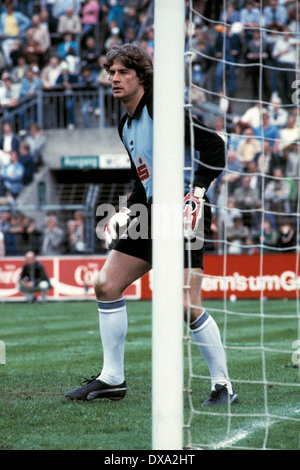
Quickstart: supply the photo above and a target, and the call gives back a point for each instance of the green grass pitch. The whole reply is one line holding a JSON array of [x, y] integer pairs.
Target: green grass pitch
[[51, 347]]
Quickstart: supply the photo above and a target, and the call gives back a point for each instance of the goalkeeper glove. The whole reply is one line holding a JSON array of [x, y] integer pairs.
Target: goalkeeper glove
[[193, 212], [116, 227]]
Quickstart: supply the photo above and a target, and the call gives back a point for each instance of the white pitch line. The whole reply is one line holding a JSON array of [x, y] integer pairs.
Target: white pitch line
[[232, 440], [240, 435]]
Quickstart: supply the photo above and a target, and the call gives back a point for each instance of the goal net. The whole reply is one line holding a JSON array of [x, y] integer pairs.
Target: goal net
[[242, 80]]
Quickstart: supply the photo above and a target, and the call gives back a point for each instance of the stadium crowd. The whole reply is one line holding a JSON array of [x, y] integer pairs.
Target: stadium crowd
[[60, 43]]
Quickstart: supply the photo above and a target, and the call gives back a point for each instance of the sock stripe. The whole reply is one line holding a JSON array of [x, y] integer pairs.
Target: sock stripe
[[107, 307], [200, 322]]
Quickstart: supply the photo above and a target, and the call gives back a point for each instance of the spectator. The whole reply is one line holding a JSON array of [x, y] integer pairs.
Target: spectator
[[65, 46], [76, 234], [9, 94], [51, 72], [290, 157], [2, 245], [285, 54], [266, 160], [4, 158], [11, 235], [237, 235], [200, 63], [250, 18], [69, 22], [33, 278], [73, 62], [227, 211], [89, 102], [257, 54], [267, 236], [47, 17], [11, 177], [113, 40], [150, 37], [220, 128], [33, 50], [26, 159], [90, 55], [9, 140], [232, 173], [114, 9], [103, 78], [278, 115], [26, 7], [13, 24], [60, 7], [18, 72], [245, 196], [268, 132], [271, 37], [15, 51], [89, 17], [4, 221], [27, 236], [47, 21], [67, 80], [52, 237], [255, 176], [130, 21], [236, 136], [274, 14], [130, 37], [41, 34], [277, 193], [247, 148], [233, 49], [288, 134], [230, 15], [144, 43], [31, 83], [287, 236], [252, 116], [36, 140]]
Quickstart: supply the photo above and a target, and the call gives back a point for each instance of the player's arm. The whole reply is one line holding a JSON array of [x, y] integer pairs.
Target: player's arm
[[211, 150]]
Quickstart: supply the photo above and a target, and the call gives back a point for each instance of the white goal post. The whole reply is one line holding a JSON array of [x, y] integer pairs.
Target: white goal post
[[168, 164]]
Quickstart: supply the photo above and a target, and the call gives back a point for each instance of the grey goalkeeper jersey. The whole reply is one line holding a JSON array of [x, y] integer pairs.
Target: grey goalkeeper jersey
[[136, 133]]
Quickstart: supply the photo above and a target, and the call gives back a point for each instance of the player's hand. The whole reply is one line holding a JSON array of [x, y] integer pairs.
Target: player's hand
[[116, 226], [193, 212]]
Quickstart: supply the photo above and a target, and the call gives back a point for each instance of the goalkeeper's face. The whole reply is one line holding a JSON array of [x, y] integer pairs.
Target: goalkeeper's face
[[125, 83]]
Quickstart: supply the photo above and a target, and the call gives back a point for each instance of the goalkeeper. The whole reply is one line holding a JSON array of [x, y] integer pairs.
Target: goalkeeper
[[131, 75]]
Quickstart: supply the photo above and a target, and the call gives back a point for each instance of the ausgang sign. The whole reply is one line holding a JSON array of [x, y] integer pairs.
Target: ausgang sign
[[103, 161]]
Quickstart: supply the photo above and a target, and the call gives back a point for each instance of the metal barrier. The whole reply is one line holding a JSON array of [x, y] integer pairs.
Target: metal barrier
[[57, 108]]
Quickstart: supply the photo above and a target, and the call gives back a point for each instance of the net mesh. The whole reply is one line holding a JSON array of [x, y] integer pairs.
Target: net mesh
[[242, 65]]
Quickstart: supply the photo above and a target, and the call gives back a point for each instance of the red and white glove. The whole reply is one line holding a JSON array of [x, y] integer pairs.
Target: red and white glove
[[193, 212], [116, 227]]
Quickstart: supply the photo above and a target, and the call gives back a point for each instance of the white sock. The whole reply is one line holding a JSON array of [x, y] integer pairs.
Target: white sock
[[207, 337], [113, 329]]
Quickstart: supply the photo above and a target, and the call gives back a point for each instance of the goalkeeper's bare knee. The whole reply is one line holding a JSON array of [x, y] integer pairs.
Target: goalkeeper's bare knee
[[105, 288]]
